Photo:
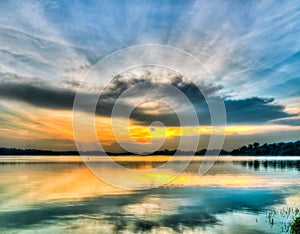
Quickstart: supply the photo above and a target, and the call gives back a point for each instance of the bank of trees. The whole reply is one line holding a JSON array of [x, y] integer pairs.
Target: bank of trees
[[14, 151], [255, 149], [275, 149]]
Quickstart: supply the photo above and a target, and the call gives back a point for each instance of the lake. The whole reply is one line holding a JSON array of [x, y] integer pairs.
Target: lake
[[59, 194]]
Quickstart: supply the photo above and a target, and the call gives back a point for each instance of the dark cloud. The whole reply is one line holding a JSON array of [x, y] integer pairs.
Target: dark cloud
[[161, 91], [254, 110], [41, 96]]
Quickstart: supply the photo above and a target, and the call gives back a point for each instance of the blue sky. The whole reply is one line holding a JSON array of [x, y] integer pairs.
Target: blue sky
[[251, 48]]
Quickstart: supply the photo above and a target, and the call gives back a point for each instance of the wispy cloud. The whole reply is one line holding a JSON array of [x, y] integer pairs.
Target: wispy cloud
[[243, 45]]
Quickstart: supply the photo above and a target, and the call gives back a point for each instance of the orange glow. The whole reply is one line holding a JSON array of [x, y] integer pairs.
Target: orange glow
[[55, 125], [42, 124]]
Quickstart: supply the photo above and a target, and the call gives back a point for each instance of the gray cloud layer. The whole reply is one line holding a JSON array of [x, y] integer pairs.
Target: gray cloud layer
[[254, 110]]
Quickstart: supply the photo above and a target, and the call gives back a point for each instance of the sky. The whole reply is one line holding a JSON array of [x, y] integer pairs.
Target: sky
[[250, 48]]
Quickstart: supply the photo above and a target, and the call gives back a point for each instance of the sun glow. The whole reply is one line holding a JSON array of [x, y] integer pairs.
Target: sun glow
[[47, 124]]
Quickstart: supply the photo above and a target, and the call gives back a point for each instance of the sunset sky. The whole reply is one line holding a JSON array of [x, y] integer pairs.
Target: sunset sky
[[251, 48]]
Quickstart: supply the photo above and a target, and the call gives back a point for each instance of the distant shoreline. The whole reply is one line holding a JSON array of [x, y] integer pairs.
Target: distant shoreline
[[255, 149], [34, 152]]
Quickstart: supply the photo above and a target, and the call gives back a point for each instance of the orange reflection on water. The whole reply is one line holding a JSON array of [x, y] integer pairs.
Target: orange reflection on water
[[72, 181], [81, 183], [77, 184], [74, 185]]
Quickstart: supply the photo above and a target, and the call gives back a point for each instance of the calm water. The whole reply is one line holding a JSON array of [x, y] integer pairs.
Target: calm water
[[60, 195]]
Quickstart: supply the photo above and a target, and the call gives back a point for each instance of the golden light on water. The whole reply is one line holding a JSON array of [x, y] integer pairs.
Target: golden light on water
[[79, 183]]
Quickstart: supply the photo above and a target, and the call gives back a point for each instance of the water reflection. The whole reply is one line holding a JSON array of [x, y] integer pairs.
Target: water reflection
[[165, 207], [66, 197], [270, 164]]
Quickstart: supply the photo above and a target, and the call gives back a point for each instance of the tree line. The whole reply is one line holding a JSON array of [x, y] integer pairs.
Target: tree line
[[274, 149], [255, 149]]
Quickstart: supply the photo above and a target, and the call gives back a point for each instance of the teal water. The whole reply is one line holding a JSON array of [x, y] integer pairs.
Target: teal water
[[60, 195]]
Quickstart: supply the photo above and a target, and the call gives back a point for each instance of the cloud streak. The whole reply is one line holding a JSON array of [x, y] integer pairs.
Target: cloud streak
[[253, 110]]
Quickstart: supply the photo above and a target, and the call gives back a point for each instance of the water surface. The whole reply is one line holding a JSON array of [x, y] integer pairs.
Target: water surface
[[60, 195]]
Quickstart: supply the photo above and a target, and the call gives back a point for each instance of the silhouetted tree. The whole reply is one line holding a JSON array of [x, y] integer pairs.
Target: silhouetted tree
[[275, 149]]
